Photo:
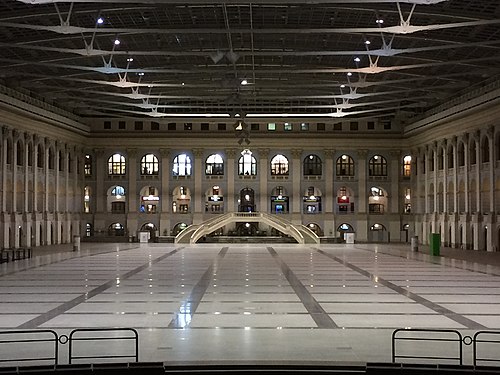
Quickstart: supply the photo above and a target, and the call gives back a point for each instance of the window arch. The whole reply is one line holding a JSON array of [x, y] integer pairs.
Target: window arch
[[407, 166], [116, 165], [451, 159], [345, 228], [345, 166], [461, 154], [377, 166], [377, 227], [149, 165], [247, 164], [377, 200], [472, 152], [214, 165], [485, 150], [182, 165], [116, 229], [88, 165], [312, 165], [116, 200], [279, 165], [20, 153]]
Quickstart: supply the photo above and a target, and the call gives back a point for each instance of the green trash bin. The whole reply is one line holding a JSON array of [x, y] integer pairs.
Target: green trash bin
[[435, 243]]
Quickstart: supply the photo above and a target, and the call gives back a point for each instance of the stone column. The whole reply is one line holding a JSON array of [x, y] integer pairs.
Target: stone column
[[132, 180], [14, 172], [263, 174], [362, 200], [165, 191], [198, 197], [100, 170], [394, 175], [491, 172], [329, 196], [478, 174], [455, 174], [296, 190], [466, 173], [229, 203]]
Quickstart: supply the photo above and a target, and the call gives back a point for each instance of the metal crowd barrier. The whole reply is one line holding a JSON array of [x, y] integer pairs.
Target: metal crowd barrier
[[23, 342], [453, 342]]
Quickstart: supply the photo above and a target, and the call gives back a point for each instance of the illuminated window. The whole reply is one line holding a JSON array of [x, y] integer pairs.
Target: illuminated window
[[312, 166], [247, 165], [279, 166], [214, 165], [407, 166], [149, 165], [116, 165], [377, 166], [182, 165], [345, 166]]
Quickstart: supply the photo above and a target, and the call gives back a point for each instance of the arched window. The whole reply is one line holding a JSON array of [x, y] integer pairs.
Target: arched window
[[407, 166], [88, 165], [10, 152], [20, 153], [461, 154], [30, 154], [376, 227], [40, 160], [377, 200], [451, 159], [214, 165], [431, 161], [149, 165], [279, 165], [485, 150], [345, 166], [312, 165], [440, 159], [60, 161], [51, 158], [179, 227], [116, 165], [116, 200], [472, 152], [86, 199], [247, 165], [182, 165], [345, 228], [88, 230], [377, 166], [315, 228], [116, 229]]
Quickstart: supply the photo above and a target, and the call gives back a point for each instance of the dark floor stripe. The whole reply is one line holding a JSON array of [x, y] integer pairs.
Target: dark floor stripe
[[188, 307], [320, 316], [51, 314], [469, 323]]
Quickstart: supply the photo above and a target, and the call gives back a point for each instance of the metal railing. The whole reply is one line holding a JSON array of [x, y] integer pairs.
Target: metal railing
[[23, 342], [483, 343]]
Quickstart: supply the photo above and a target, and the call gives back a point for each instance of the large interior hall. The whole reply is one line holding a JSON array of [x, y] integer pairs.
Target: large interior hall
[[347, 139]]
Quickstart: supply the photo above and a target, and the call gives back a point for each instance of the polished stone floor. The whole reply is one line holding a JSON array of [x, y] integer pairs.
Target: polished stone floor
[[238, 302]]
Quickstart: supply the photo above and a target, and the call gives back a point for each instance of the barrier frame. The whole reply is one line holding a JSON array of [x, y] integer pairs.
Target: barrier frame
[[73, 339], [476, 340], [55, 340], [458, 340]]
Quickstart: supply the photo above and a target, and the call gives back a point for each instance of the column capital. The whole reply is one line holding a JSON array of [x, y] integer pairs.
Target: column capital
[[164, 152], [230, 152], [362, 153], [395, 153], [264, 152], [132, 152], [99, 152], [197, 152], [329, 152], [296, 153], [6, 131]]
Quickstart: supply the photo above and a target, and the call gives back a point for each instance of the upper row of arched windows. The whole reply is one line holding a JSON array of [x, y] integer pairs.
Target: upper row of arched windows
[[312, 165]]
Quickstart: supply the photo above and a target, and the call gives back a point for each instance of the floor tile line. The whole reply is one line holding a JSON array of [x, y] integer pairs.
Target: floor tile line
[[188, 307], [317, 313], [61, 309], [468, 323]]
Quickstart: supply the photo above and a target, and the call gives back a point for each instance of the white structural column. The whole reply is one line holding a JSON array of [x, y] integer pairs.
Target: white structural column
[[296, 189], [198, 197], [491, 171], [27, 190], [477, 140], [435, 184], [455, 174], [445, 179], [100, 169], [394, 175], [57, 166], [46, 177], [465, 140], [263, 174], [14, 172], [131, 169], [5, 234], [362, 223], [230, 175], [36, 209], [165, 191], [426, 182], [329, 196]]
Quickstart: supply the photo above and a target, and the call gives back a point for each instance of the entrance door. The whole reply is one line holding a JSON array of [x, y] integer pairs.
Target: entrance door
[[247, 200]]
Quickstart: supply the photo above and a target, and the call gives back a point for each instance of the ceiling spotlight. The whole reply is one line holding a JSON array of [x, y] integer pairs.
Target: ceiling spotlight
[[357, 59], [130, 59], [182, 84], [117, 42], [244, 82], [342, 86], [140, 73], [379, 21], [349, 74], [367, 42], [100, 21]]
